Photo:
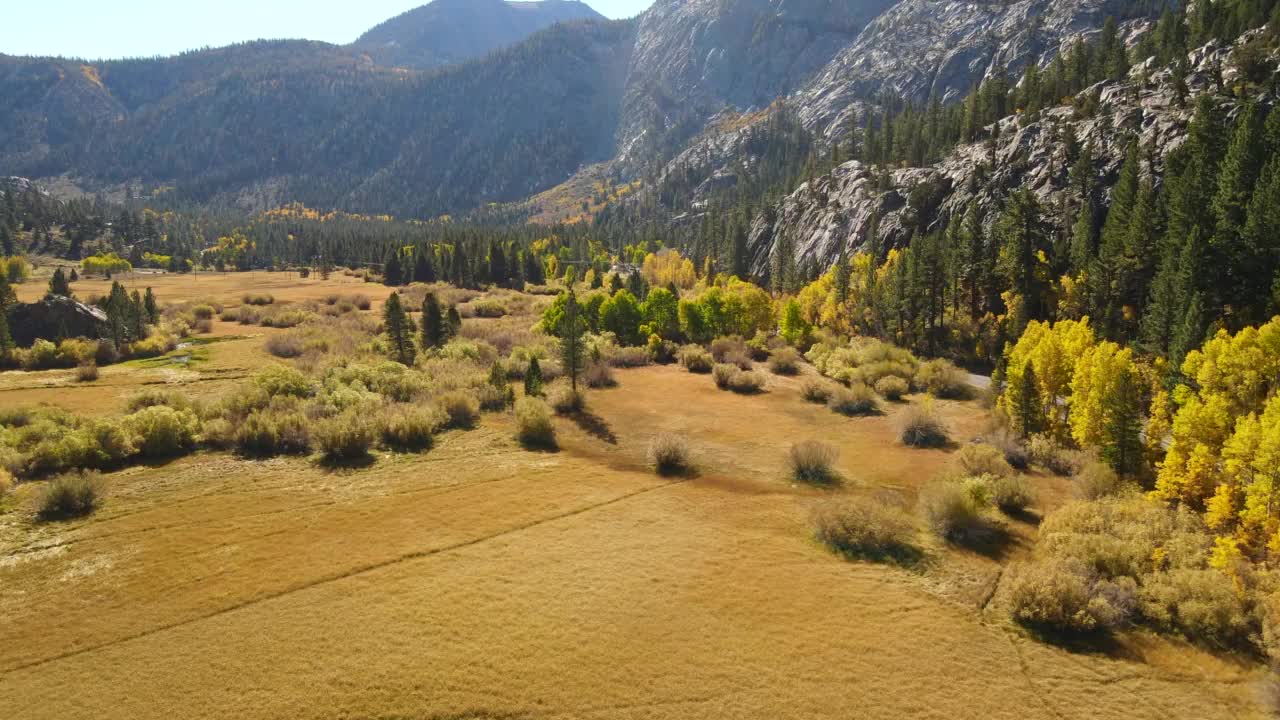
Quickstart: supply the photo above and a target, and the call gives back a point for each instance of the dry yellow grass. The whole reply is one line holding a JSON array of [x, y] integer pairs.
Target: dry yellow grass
[[480, 580]]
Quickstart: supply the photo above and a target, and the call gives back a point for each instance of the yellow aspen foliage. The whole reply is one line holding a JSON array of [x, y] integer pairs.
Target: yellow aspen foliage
[[1053, 352], [667, 267], [1243, 368], [1093, 390], [1189, 472], [1252, 459], [1159, 425]]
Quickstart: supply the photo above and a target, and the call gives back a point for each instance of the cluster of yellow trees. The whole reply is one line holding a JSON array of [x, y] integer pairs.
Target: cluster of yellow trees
[[1212, 442], [104, 264]]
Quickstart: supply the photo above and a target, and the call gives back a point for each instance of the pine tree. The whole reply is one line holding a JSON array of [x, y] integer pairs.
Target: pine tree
[[399, 330], [533, 379], [434, 332], [137, 316], [1229, 258], [573, 350], [499, 381], [1260, 245], [497, 265], [393, 274], [738, 257], [118, 310], [453, 322], [1028, 411], [423, 271], [153, 310], [1024, 236], [58, 284], [7, 299], [1123, 447]]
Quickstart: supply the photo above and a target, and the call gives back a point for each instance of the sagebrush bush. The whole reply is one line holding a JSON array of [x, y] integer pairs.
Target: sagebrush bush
[[362, 302], [494, 399], [461, 407], [723, 373], [70, 496], [747, 382], [814, 462], [952, 511], [630, 357], [941, 378], [161, 431], [1052, 596], [565, 401], [534, 427], [286, 345], [257, 299], [345, 437], [599, 375], [1097, 480], [265, 432], [977, 459], [1201, 604], [785, 361], [1051, 456], [88, 372], [413, 428], [1011, 493], [724, 347], [892, 387], [920, 427], [278, 380], [695, 359], [866, 529], [856, 400], [817, 390], [202, 312], [107, 443], [740, 359], [669, 454], [1014, 451]]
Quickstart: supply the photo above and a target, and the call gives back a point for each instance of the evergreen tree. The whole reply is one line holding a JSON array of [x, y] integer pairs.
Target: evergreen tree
[[117, 307], [152, 310], [393, 274], [423, 270], [399, 329], [1122, 449], [573, 351], [1024, 236], [7, 299], [1260, 245], [738, 259], [137, 316], [434, 332], [1229, 257], [533, 379], [497, 265], [58, 284], [453, 322], [499, 381], [1028, 410]]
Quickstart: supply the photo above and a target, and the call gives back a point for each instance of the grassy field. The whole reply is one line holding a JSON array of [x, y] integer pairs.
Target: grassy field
[[483, 580]]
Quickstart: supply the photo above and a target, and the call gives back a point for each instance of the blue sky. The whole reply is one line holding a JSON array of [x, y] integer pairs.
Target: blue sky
[[97, 29]]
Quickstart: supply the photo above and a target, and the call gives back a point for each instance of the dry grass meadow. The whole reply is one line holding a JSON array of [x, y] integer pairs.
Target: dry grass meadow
[[484, 580]]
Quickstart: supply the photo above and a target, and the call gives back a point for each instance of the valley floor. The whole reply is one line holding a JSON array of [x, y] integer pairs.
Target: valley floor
[[481, 580]]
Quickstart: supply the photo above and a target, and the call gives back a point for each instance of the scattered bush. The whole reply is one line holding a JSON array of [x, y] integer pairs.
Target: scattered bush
[[161, 431], [941, 378], [785, 361], [1201, 604], [6, 482], [1097, 480], [461, 407], [533, 423], [747, 382], [494, 399], [1053, 596], [695, 359], [413, 428], [88, 372], [258, 299], [630, 357], [729, 349], [346, 437], [817, 390], [952, 511], [855, 400], [286, 345], [723, 374], [565, 401], [1014, 451], [599, 375], [264, 433], [892, 387], [921, 427], [278, 380], [865, 529], [203, 327], [70, 496], [669, 454], [813, 462], [976, 459], [362, 302], [1051, 456], [1011, 493], [202, 312]]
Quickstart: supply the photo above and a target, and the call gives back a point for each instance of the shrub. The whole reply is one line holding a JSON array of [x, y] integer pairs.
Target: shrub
[[286, 345], [866, 529], [892, 387], [941, 378], [599, 375], [345, 437], [952, 511], [218, 433], [362, 302], [1051, 456], [461, 407], [533, 423], [813, 462], [630, 357], [747, 382], [278, 380], [921, 427], [162, 431], [669, 454], [257, 299], [1201, 604], [723, 347], [70, 496], [484, 309], [88, 372], [855, 400], [740, 359], [1011, 493], [785, 361], [817, 390], [267, 432], [413, 428], [1052, 596], [1097, 480], [1015, 453], [695, 359], [565, 401], [202, 312], [723, 374], [978, 459], [203, 327], [107, 443]]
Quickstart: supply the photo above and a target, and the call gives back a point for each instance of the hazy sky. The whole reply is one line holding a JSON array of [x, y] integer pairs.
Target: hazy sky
[[98, 29]]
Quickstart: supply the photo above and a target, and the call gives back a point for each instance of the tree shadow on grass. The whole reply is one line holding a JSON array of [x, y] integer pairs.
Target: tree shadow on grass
[[360, 462], [991, 540], [594, 425]]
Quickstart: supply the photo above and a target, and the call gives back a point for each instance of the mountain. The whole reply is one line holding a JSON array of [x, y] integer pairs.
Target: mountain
[[447, 32], [680, 91]]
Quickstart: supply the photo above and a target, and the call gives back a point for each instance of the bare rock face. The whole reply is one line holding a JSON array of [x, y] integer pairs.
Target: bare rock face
[[55, 317], [833, 210]]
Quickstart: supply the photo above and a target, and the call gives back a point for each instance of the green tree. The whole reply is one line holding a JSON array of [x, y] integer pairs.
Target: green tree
[[573, 351], [434, 332], [1122, 449], [58, 284], [662, 313], [533, 379], [621, 315], [1228, 253], [393, 273], [1024, 240], [399, 329], [153, 310], [1027, 409]]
